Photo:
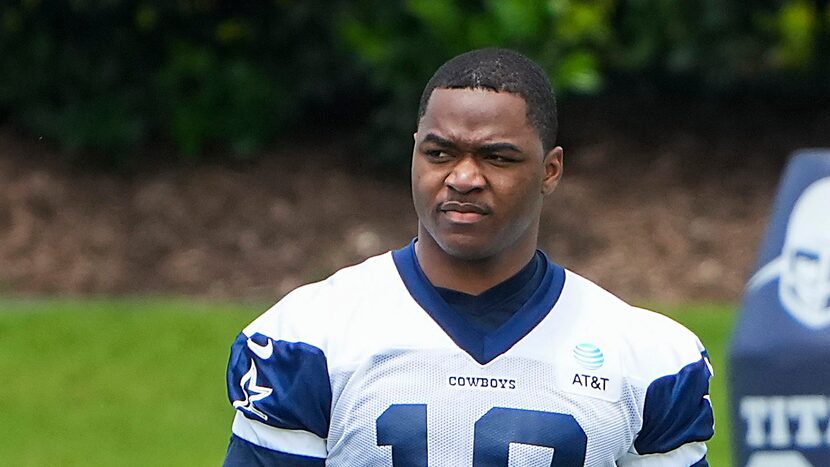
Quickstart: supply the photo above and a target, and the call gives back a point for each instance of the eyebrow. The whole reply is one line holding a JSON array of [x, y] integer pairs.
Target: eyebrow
[[487, 148]]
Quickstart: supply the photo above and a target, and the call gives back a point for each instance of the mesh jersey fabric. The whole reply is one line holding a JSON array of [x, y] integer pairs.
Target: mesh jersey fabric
[[354, 371]]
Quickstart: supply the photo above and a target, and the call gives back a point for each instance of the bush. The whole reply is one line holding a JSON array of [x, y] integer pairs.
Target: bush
[[103, 77], [109, 75], [400, 45], [708, 46]]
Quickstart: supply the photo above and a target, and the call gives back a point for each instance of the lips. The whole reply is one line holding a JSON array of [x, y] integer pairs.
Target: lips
[[459, 206], [463, 212]]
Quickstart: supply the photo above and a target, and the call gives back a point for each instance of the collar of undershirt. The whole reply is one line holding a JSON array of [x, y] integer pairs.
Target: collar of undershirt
[[483, 346], [506, 297]]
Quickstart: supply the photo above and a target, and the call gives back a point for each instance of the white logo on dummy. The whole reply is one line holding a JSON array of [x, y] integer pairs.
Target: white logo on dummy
[[253, 392], [803, 268], [262, 351]]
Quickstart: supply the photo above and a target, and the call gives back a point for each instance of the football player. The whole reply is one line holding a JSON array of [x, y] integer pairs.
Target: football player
[[469, 346]]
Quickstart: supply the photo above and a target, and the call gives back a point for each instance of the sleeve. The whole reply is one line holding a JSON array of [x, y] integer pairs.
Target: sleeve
[[677, 419], [282, 396]]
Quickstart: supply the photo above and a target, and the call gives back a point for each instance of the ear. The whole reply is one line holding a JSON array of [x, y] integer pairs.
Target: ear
[[554, 165]]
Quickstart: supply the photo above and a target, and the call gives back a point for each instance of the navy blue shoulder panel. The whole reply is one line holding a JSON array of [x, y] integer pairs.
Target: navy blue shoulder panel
[[482, 346], [279, 383], [701, 463], [242, 453], [676, 411]]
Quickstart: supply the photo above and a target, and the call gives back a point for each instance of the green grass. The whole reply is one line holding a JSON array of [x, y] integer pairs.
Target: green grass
[[132, 382], [141, 382]]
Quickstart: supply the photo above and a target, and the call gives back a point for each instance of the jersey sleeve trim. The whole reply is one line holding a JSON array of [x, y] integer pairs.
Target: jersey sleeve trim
[[296, 442], [677, 410], [243, 453], [281, 384], [691, 454]]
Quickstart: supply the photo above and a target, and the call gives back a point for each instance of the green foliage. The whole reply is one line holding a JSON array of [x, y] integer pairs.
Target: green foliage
[[111, 75], [587, 46], [400, 44], [214, 100], [794, 28]]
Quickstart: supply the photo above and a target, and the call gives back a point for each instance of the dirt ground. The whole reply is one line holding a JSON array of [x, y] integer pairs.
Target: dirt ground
[[660, 202]]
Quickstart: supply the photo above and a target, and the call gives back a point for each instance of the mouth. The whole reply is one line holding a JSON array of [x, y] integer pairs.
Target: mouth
[[463, 212]]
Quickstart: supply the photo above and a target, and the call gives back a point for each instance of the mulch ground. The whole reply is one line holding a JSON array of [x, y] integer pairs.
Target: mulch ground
[[660, 202]]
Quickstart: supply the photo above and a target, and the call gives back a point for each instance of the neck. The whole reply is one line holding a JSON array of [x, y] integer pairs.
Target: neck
[[471, 276]]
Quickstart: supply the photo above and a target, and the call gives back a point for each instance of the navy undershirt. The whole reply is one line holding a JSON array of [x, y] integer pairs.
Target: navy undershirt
[[522, 314], [490, 309]]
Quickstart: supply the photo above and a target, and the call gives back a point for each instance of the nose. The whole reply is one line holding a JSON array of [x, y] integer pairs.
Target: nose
[[465, 176]]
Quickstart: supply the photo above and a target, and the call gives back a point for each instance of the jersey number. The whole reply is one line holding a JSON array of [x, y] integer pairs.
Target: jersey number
[[404, 428]]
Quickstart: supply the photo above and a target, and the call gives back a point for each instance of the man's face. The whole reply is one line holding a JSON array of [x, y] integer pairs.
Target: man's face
[[479, 173]]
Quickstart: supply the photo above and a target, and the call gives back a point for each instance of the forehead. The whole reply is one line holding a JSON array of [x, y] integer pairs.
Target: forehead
[[476, 114]]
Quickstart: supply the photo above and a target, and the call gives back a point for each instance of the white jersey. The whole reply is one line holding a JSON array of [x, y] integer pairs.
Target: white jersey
[[371, 368]]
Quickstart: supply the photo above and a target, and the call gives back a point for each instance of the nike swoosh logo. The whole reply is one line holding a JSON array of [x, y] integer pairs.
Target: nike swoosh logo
[[262, 351]]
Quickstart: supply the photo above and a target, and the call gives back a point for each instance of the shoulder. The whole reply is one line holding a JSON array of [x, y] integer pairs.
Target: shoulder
[[278, 371], [652, 344], [665, 364], [306, 313], [662, 343]]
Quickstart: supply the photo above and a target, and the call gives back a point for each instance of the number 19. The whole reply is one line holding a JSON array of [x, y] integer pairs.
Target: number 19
[[404, 428]]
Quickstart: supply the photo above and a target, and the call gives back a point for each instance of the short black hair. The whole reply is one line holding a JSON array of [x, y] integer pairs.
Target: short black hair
[[501, 70]]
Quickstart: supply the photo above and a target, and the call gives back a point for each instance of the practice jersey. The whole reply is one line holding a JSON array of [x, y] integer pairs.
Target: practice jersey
[[371, 368]]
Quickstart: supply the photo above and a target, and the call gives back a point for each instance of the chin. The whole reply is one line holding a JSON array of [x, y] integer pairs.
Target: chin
[[465, 248]]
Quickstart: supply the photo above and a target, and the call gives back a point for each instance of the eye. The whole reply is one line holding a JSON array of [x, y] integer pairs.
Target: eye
[[436, 154], [499, 159]]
